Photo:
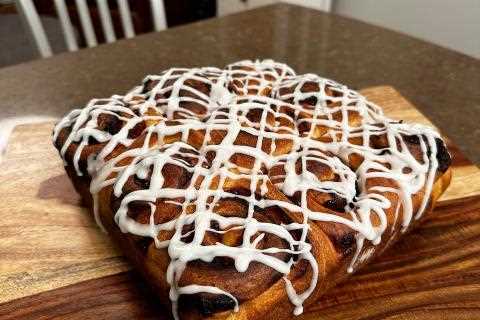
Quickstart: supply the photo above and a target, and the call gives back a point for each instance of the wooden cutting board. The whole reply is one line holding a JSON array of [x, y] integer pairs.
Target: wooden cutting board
[[55, 262]]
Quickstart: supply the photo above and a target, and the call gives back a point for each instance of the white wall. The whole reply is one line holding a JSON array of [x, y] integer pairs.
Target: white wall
[[231, 6], [454, 24], [225, 7]]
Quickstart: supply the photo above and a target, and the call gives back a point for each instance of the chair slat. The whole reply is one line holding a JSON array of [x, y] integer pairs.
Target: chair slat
[[86, 22], [158, 15], [31, 19], [67, 27], [126, 17], [106, 20], [33, 23]]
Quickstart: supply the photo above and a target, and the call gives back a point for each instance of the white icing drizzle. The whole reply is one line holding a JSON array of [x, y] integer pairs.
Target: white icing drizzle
[[315, 123]]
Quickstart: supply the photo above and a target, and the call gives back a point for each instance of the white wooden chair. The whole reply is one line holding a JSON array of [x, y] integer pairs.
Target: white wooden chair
[[31, 18]]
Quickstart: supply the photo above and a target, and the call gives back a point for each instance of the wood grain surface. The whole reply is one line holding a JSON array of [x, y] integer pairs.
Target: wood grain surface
[[55, 263]]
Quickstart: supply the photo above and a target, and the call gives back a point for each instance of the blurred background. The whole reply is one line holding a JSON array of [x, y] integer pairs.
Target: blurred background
[[41, 28]]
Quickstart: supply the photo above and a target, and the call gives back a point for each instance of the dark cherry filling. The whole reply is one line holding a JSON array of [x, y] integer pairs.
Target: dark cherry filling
[[109, 123], [443, 157], [346, 243], [413, 139], [206, 304], [336, 203], [311, 101], [149, 85], [357, 189], [385, 152], [142, 183], [106, 123]]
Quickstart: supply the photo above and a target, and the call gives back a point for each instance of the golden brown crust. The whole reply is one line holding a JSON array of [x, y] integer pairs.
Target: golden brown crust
[[260, 290]]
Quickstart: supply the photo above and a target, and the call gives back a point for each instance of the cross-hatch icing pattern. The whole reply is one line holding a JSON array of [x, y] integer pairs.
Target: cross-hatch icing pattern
[[301, 143]]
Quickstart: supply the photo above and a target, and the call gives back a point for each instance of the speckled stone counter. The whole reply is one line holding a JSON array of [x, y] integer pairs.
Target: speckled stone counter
[[443, 84]]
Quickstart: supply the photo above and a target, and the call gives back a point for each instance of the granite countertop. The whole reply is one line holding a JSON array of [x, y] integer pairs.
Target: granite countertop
[[443, 84]]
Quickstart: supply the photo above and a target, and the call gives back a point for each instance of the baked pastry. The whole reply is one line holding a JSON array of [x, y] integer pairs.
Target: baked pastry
[[249, 190]]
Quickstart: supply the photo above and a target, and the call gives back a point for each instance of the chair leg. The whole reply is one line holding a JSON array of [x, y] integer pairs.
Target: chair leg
[[158, 15], [34, 26], [67, 27]]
